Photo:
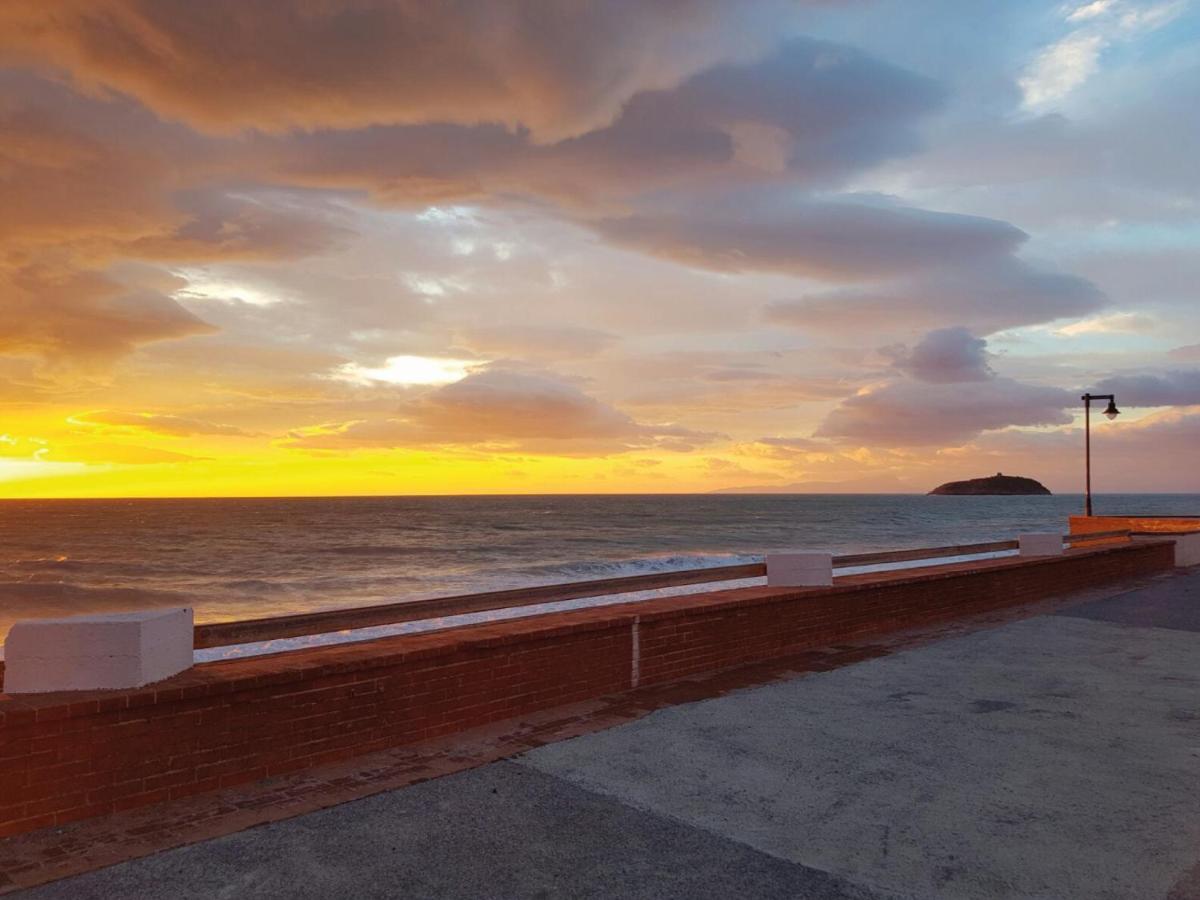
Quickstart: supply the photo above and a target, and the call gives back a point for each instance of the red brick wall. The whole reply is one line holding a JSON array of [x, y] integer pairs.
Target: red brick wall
[[702, 639], [70, 756]]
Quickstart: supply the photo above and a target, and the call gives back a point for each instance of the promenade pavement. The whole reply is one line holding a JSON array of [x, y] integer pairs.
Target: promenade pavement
[[1053, 757]]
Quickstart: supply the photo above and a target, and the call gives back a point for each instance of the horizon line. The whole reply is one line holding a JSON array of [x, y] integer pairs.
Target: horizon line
[[726, 492]]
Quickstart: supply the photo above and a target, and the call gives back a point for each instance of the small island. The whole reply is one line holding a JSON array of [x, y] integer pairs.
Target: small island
[[998, 484]]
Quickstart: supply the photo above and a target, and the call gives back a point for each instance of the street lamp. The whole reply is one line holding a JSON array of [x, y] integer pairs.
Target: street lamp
[[1112, 412]]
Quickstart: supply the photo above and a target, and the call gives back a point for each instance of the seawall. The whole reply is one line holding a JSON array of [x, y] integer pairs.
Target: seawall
[[1183, 530], [70, 756]]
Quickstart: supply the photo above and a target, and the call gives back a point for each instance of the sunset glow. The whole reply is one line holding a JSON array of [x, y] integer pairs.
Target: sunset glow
[[370, 248]]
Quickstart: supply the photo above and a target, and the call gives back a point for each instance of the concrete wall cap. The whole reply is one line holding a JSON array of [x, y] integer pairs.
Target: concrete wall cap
[[800, 568], [106, 651], [1040, 543]]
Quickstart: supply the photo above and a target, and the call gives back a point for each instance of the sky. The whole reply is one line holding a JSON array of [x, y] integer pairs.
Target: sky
[[399, 247]]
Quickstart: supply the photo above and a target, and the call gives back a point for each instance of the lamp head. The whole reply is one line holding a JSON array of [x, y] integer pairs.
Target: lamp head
[[1111, 411]]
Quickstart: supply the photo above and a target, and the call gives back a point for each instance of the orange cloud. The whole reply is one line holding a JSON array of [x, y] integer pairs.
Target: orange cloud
[[226, 65], [533, 411], [173, 426], [42, 450], [118, 454], [84, 315], [86, 188]]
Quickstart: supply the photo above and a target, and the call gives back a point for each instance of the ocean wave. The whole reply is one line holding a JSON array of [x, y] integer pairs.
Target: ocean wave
[[60, 564], [255, 586], [648, 565], [33, 590], [370, 550]]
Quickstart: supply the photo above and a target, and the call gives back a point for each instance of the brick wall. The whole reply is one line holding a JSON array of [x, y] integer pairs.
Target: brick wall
[[65, 757]]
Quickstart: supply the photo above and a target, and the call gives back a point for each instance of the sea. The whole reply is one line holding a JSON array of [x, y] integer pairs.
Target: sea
[[247, 558]]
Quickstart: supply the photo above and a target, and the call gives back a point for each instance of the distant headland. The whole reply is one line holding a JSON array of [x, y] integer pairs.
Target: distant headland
[[996, 484]]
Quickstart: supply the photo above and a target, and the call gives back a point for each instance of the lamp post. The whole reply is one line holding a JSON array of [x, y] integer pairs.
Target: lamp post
[[1112, 412]]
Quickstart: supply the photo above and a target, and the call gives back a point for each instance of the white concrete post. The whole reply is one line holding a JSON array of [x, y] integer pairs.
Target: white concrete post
[[1040, 543], [1187, 549], [799, 569], [82, 653]]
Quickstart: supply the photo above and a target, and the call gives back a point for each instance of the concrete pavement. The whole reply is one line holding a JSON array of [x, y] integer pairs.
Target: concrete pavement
[[1053, 757]]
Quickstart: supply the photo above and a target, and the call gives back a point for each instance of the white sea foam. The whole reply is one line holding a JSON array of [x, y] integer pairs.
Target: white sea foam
[[635, 567]]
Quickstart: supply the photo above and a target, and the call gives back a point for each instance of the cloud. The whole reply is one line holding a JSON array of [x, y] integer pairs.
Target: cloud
[[1179, 387], [950, 396], [39, 451], [1189, 353], [1116, 323], [720, 469], [65, 180], [793, 450], [109, 180], [944, 356], [88, 187], [809, 114], [1070, 61], [355, 63], [913, 414], [991, 294], [406, 370], [504, 408], [84, 315], [812, 111], [117, 454], [678, 385], [843, 240], [131, 135], [114, 421], [98, 180], [1061, 68], [528, 341], [237, 226], [1091, 10]]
